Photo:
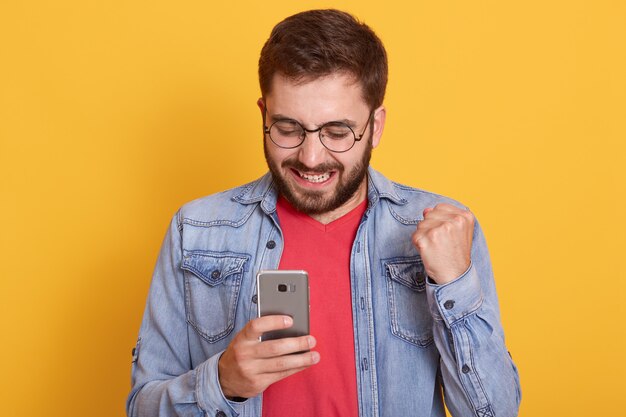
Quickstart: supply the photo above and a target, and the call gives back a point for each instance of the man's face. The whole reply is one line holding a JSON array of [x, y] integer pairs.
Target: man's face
[[312, 178]]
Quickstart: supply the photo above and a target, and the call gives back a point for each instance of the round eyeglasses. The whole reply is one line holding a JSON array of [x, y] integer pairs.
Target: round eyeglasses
[[335, 136]]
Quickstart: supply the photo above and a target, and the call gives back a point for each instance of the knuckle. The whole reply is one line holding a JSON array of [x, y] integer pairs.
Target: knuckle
[[246, 372], [304, 344], [459, 219], [434, 233], [254, 326], [238, 355], [280, 364], [274, 349]]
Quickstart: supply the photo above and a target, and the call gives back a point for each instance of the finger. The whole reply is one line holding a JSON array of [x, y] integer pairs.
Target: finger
[[450, 208], [279, 347], [256, 327], [273, 377], [426, 211], [277, 376], [289, 362]]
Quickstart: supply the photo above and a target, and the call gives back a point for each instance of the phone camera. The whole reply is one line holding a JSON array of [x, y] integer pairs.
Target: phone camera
[[282, 288]]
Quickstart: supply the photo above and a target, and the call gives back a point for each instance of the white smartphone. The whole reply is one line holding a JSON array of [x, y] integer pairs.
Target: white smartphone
[[285, 293]]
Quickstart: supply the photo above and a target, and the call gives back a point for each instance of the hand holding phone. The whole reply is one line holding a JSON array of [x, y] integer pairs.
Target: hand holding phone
[[248, 365]]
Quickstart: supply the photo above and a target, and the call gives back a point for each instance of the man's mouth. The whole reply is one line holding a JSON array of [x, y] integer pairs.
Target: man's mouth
[[315, 178]]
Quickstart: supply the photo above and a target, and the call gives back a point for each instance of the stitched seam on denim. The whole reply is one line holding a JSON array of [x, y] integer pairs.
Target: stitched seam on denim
[[415, 339], [485, 412], [230, 318], [393, 197], [355, 306], [244, 190], [239, 258], [416, 286], [179, 222], [219, 336], [395, 328], [197, 390], [476, 386], [402, 219], [470, 312], [220, 222], [430, 193], [475, 372], [478, 380], [458, 353], [371, 349], [255, 199], [240, 269]]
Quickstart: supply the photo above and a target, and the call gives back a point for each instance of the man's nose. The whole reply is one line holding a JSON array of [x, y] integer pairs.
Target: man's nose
[[312, 153]]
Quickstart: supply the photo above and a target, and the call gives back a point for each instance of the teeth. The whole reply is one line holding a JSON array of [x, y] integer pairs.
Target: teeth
[[316, 178]]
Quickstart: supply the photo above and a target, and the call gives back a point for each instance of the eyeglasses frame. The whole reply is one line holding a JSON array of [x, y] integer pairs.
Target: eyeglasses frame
[[266, 130]]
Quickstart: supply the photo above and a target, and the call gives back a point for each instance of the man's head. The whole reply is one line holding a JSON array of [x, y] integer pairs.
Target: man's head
[[318, 70], [318, 43]]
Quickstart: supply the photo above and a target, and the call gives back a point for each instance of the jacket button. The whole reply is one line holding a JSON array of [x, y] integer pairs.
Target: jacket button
[[254, 298], [270, 245], [448, 305], [465, 369], [216, 274], [220, 414]]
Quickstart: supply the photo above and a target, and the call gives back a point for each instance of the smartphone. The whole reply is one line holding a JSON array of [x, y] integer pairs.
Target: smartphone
[[285, 293]]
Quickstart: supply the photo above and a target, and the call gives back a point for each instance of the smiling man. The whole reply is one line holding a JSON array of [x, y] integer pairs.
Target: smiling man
[[404, 311]]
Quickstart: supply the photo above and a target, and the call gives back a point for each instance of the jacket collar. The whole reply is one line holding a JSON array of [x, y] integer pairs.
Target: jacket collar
[[264, 191]]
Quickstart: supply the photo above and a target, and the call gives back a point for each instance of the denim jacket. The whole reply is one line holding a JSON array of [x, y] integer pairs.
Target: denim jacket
[[413, 339]]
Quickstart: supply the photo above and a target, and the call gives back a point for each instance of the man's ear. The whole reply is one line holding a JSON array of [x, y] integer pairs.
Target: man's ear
[[378, 125], [261, 103]]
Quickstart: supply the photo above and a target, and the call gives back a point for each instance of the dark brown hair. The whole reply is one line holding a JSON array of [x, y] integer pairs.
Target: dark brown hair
[[317, 43]]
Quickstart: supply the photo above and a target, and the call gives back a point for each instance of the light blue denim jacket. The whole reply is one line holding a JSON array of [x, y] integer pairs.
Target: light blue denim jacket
[[412, 337]]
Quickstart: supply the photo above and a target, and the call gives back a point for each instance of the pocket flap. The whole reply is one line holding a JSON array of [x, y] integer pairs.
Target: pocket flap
[[213, 267], [408, 272]]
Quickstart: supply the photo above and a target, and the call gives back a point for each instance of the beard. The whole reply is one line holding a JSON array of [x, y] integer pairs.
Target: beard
[[314, 202]]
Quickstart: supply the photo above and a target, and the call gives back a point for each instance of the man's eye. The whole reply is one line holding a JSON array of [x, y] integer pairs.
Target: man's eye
[[288, 129], [288, 132], [336, 132]]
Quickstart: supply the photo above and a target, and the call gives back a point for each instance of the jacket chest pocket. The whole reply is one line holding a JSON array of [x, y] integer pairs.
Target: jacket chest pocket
[[212, 286], [409, 315]]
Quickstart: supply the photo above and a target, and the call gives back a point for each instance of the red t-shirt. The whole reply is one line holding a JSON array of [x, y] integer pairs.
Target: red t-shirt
[[329, 387]]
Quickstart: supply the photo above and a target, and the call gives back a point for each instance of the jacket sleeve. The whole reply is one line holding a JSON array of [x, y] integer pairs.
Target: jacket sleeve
[[479, 376], [163, 381]]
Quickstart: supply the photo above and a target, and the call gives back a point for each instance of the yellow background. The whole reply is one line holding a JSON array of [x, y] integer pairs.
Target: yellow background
[[114, 113]]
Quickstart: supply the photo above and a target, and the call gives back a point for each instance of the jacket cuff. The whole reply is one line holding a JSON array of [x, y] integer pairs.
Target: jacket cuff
[[456, 299], [209, 393]]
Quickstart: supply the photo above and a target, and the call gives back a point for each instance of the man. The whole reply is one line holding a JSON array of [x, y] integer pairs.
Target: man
[[403, 305]]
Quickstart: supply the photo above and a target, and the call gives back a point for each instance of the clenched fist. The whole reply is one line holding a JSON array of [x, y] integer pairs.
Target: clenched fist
[[444, 241]]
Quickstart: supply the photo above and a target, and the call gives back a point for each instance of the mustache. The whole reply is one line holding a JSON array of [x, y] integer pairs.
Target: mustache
[[319, 169]]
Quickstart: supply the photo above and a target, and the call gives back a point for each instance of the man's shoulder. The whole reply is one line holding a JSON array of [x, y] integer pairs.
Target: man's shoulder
[[225, 207], [408, 202], [417, 195]]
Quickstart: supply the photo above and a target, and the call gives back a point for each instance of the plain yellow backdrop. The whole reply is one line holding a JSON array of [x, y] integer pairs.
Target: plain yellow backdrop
[[114, 113]]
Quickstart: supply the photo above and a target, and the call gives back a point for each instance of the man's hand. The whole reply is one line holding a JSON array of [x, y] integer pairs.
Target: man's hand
[[248, 366], [444, 240]]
